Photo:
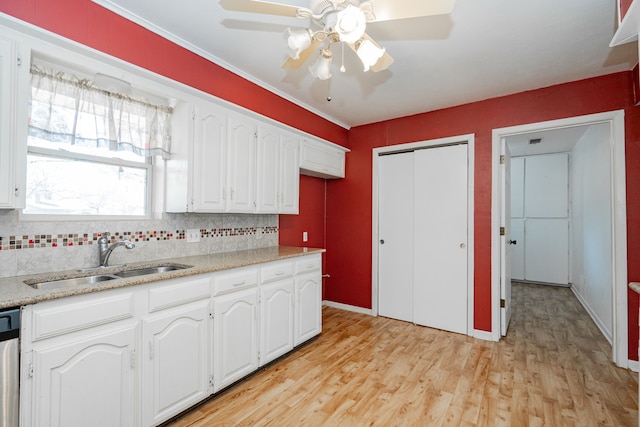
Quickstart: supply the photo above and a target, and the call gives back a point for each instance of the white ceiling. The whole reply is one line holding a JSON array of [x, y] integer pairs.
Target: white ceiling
[[483, 49]]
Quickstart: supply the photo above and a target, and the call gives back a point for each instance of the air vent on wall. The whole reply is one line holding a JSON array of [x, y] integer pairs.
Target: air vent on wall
[[533, 141]]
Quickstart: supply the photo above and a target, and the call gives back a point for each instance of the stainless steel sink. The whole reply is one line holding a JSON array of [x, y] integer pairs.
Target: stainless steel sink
[[96, 278], [148, 270], [78, 281]]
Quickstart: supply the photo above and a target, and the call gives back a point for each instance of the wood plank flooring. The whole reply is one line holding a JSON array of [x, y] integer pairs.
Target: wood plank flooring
[[553, 369]]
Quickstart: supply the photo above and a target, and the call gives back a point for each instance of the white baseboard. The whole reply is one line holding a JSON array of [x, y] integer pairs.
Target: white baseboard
[[483, 335], [347, 307], [634, 365]]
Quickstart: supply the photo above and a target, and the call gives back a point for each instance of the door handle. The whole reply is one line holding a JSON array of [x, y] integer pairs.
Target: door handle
[[513, 242]]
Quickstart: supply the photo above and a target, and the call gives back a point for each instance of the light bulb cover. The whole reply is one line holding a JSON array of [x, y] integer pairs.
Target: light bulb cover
[[369, 53], [351, 24], [298, 39], [321, 68]]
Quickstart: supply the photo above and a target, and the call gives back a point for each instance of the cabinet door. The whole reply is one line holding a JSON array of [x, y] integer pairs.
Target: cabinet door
[[308, 322], [235, 336], [175, 359], [90, 381], [276, 319], [268, 168], [209, 161], [7, 141], [289, 174], [241, 163]]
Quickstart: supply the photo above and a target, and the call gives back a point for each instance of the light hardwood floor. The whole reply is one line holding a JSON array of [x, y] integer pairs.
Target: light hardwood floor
[[553, 369]]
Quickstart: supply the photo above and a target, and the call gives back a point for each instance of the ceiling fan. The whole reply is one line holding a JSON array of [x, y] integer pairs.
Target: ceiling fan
[[339, 21]]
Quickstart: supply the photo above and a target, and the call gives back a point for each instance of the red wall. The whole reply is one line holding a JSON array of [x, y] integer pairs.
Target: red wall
[[349, 201]]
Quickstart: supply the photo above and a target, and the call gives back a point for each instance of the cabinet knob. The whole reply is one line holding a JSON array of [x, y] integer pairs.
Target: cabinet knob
[[462, 245], [382, 241]]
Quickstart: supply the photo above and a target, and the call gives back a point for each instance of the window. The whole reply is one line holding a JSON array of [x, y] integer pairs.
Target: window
[[90, 150]]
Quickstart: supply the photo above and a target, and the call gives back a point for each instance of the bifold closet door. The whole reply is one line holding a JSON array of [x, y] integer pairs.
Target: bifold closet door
[[395, 230], [440, 238]]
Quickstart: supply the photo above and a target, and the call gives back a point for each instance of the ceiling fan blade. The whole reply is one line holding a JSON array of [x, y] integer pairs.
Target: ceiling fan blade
[[388, 10], [266, 7], [292, 64]]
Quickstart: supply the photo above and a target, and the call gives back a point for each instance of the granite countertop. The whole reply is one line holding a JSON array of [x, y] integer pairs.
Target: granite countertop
[[635, 286], [14, 292]]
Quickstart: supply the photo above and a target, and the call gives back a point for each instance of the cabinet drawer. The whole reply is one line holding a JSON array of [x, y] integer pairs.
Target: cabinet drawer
[[308, 263], [175, 292], [64, 316], [235, 280], [276, 271]]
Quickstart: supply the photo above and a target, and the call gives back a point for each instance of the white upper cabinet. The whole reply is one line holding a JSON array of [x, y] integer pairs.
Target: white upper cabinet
[[209, 159], [13, 119], [322, 160], [278, 173], [224, 161], [241, 164]]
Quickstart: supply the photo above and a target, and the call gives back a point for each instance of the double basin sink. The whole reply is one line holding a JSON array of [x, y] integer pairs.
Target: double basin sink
[[97, 278]]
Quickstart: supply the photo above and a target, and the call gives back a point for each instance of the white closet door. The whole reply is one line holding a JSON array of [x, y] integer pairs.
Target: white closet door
[[440, 238], [395, 230], [547, 249], [546, 186]]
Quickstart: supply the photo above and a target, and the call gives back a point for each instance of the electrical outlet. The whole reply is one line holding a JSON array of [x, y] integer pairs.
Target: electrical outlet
[[193, 235], [305, 236]]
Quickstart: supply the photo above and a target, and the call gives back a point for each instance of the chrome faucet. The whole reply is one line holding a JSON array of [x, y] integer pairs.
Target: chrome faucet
[[105, 249]]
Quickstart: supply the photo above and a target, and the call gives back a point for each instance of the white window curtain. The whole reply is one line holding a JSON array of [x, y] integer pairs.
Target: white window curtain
[[68, 109]]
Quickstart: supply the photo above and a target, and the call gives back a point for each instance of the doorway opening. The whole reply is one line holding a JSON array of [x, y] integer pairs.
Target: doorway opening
[[609, 129]]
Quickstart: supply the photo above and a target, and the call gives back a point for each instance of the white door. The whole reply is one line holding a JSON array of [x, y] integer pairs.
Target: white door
[[209, 177], [395, 225], [440, 238], [308, 307], [88, 381], [241, 164], [235, 337], [267, 168], [505, 239], [176, 355], [276, 319], [547, 249], [517, 249]]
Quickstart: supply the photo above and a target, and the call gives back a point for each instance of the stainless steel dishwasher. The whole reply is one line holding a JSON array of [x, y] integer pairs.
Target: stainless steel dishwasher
[[9, 367]]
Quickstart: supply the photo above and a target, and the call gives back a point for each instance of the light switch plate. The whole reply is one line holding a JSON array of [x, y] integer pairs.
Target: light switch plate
[[193, 235], [305, 236]]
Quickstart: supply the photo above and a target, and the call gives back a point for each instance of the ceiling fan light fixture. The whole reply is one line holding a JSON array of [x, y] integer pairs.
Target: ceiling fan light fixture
[[298, 39], [369, 53], [350, 24], [321, 69]]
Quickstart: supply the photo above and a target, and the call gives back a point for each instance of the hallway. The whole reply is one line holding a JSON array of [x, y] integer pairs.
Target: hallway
[[553, 368]]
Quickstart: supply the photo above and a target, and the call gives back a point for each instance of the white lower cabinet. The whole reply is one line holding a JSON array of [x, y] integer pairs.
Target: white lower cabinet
[[176, 368], [138, 356], [235, 337], [90, 380], [308, 294], [276, 319]]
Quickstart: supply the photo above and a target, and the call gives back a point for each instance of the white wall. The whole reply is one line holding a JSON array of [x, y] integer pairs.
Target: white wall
[[591, 258]]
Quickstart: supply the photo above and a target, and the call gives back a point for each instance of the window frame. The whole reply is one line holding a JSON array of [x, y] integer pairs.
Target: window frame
[[147, 165]]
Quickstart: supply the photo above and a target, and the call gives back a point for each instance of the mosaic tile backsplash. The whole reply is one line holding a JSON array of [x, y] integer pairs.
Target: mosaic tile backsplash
[[28, 247]]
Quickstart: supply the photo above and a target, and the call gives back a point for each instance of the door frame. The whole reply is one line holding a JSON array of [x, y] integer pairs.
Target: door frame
[[615, 119], [469, 139]]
